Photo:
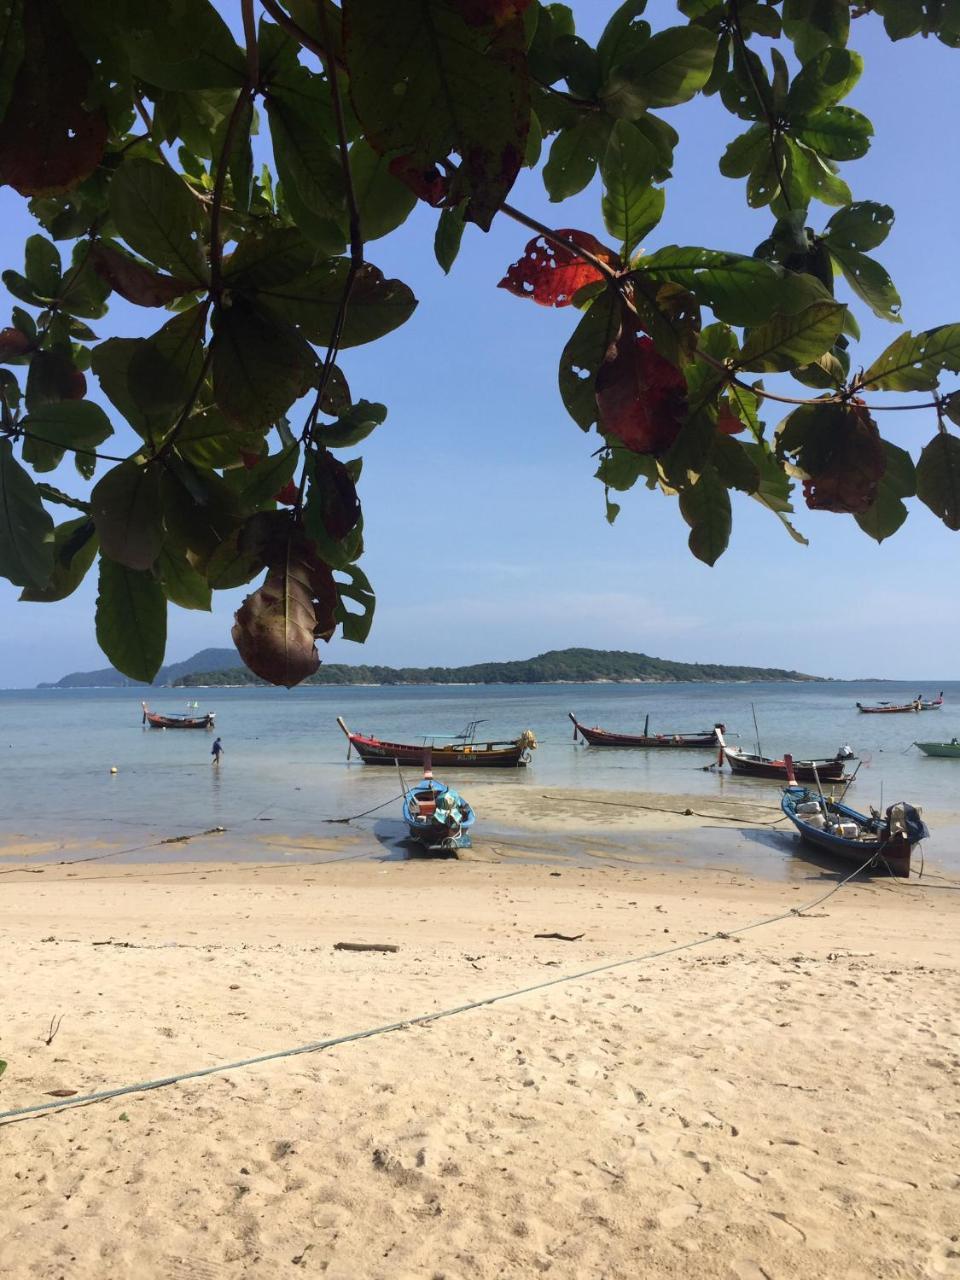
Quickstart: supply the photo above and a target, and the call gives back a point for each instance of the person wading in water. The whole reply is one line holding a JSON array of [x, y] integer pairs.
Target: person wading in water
[[216, 751]]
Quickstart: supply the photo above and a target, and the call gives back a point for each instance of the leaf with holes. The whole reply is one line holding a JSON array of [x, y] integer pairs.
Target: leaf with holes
[[131, 620], [353, 425], [913, 362], [838, 451], [632, 206], [552, 274], [670, 68], [356, 626], [128, 513], [861, 226], [26, 530], [584, 354], [641, 397], [574, 156], [50, 139], [869, 281], [938, 478]]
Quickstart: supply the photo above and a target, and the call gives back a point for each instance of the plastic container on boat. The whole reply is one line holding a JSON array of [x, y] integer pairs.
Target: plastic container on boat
[[847, 830], [815, 820], [809, 806]]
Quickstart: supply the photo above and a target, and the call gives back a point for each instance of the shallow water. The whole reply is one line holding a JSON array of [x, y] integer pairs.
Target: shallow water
[[285, 757]]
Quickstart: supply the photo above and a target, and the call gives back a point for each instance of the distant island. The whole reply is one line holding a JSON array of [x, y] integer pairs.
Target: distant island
[[109, 678], [559, 666]]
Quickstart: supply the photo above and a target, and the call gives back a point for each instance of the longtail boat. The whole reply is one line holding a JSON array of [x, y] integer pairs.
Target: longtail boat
[[597, 737], [437, 817], [177, 720], [889, 708], [884, 843], [949, 749], [829, 769], [463, 752], [931, 704]]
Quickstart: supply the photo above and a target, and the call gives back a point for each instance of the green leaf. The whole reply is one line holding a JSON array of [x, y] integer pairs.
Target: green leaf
[[43, 268], [164, 370], [745, 152], [200, 510], [181, 583], [269, 476], [774, 489], [261, 365], [787, 341], [583, 355], [377, 305], [621, 468], [623, 35], [131, 620], [736, 468], [670, 68], [739, 290], [423, 83], [706, 508], [888, 513], [159, 218], [631, 205], [311, 177], [74, 551], [575, 154], [860, 226], [59, 425], [356, 626], [869, 281], [209, 439], [914, 362], [446, 242], [26, 530], [383, 200], [352, 426], [938, 478], [824, 81], [128, 514], [839, 133], [62, 499], [181, 44], [812, 25]]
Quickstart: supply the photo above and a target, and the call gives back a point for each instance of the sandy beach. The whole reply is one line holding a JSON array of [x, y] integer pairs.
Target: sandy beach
[[782, 1101]]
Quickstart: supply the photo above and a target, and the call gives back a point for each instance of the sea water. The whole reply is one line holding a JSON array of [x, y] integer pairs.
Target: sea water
[[285, 758]]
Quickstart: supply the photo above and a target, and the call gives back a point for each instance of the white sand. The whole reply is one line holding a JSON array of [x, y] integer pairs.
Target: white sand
[[782, 1103]]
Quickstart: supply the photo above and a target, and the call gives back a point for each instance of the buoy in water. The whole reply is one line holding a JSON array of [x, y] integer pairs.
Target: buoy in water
[[113, 768]]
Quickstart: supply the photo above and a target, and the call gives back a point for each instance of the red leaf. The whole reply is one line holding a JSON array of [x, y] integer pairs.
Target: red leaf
[[848, 475], [551, 274], [13, 344], [641, 398], [426, 184], [288, 494], [251, 460], [134, 280], [49, 139], [728, 422], [76, 386], [481, 13], [333, 491]]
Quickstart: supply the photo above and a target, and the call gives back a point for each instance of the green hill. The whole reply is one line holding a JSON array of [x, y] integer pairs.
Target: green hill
[[572, 666]]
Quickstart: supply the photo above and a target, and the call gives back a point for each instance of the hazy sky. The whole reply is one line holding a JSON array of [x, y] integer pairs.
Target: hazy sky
[[485, 530]]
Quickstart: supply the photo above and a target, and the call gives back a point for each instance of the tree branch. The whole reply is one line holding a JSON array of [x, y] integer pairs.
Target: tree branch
[[293, 30]]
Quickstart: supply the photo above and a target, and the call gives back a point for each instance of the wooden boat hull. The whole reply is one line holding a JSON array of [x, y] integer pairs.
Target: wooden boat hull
[[884, 852], [157, 721], [776, 770], [597, 737], [430, 830], [469, 755], [892, 710], [947, 750]]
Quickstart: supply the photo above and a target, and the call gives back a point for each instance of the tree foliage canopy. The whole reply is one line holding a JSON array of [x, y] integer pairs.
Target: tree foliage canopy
[[128, 127]]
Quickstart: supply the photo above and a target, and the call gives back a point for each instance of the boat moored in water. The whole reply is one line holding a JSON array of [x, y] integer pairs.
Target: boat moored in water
[[177, 720], [882, 842], [597, 737], [461, 751], [919, 703], [949, 750], [828, 769]]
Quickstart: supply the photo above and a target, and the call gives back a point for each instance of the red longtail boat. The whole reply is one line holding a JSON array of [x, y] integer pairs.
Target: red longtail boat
[[597, 737], [464, 752]]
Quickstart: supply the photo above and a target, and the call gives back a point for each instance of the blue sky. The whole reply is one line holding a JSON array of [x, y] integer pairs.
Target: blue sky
[[485, 531]]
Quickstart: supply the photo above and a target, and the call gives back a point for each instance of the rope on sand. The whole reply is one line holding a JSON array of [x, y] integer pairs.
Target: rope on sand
[[422, 1019]]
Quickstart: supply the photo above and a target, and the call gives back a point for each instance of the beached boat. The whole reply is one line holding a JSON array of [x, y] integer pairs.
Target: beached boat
[[597, 737], [177, 720], [461, 751], [828, 769], [884, 843], [947, 749], [931, 704], [889, 708], [437, 817]]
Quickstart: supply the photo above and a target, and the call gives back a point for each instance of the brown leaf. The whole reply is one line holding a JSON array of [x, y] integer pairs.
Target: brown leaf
[[13, 344], [551, 274], [840, 454], [641, 398], [426, 184], [332, 487], [49, 139], [728, 422], [134, 280], [62, 1093], [277, 625]]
